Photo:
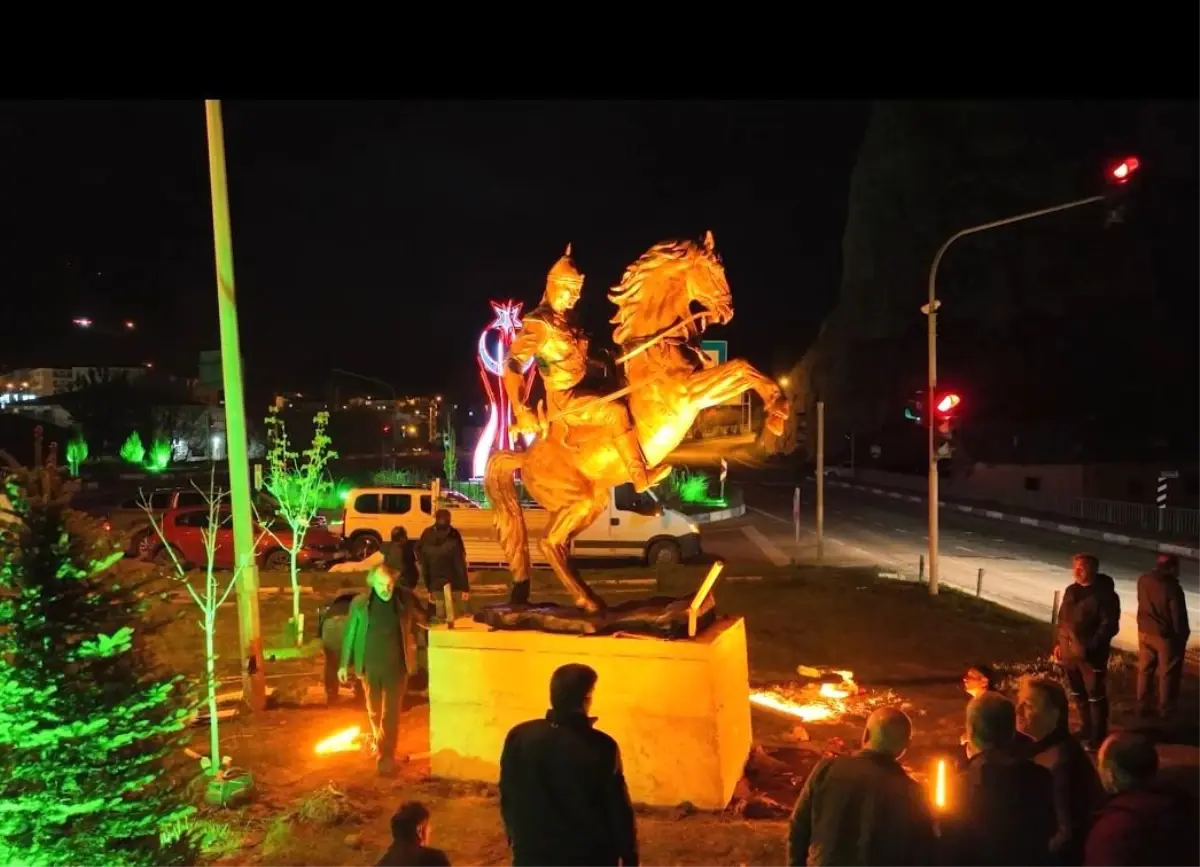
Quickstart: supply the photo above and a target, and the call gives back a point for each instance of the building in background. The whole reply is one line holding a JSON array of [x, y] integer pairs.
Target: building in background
[[49, 381]]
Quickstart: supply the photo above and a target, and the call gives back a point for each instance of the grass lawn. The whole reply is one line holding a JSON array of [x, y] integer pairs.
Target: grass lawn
[[314, 809]]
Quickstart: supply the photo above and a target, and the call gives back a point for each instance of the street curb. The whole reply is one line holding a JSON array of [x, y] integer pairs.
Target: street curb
[[1041, 524], [713, 517], [630, 584]]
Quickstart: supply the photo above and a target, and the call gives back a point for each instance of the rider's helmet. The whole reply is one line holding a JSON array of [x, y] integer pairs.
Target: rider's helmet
[[564, 273]]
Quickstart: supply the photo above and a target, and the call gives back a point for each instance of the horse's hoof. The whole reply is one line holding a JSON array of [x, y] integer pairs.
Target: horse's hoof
[[520, 593]]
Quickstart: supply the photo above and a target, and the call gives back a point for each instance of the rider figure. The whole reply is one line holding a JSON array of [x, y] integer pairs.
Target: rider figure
[[549, 335]]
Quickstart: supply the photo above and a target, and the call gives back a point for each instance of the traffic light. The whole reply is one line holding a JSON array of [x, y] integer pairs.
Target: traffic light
[[949, 401], [1122, 177], [943, 433], [387, 428]]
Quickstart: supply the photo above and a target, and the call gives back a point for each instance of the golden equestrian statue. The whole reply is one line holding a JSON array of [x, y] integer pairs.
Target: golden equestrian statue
[[588, 440]]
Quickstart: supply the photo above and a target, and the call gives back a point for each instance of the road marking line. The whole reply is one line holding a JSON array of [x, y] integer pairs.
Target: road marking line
[[769, 548], [769, 515]]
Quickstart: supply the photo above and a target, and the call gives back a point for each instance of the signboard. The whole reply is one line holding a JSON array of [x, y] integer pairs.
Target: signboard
[[718, 352], [210, 369]]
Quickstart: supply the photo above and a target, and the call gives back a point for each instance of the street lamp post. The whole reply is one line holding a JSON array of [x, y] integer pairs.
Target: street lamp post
[[254, 685], [930, 310]]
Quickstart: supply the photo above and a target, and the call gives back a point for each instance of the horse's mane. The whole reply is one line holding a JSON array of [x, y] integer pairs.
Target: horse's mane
[[658, 263]]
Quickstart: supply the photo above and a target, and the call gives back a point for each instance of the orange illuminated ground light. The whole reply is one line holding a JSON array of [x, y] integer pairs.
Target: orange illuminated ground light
[[939, 785], [343, 742], [832, 693]]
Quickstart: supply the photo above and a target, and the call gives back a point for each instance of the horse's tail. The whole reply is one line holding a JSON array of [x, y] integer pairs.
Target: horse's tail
[[506, 509]]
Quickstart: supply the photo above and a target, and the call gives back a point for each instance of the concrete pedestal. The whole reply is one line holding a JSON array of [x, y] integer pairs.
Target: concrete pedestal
[[680, 710]]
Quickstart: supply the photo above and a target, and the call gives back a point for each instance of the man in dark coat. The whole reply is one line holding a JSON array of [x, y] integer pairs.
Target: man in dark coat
[[1088, 620], [1003, 803], [380, 645], [562, 788], [1141, 823], [978, 680], [443, 559], [1163, 632], [863, 809], [1042, 710], [411, 830], [400, 555]]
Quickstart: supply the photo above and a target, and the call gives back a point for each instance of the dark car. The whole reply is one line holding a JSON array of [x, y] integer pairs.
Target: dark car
[[183, 529]]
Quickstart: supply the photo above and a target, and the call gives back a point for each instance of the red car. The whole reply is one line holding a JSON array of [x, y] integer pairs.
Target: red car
[[184, 531]]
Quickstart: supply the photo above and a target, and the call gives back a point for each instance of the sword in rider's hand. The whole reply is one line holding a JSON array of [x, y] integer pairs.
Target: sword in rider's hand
[[638, 350]]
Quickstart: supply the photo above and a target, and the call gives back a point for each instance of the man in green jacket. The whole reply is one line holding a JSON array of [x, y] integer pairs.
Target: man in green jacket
[[380, 646]]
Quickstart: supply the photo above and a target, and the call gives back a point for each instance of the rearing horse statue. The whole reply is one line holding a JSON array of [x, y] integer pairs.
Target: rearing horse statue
[[665, 301]]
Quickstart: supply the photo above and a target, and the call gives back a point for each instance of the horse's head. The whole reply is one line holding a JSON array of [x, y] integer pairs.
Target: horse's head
[[673, 282]]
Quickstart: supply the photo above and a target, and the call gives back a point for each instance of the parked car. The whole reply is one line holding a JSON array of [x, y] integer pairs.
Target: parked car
[[129, 516], [184, 532]]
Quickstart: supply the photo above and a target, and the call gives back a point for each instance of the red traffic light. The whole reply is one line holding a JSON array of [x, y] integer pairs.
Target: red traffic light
[[1121, 171], [387, 428], [948, 402]]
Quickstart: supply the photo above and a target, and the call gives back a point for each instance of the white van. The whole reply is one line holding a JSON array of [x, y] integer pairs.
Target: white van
[[634, 526]]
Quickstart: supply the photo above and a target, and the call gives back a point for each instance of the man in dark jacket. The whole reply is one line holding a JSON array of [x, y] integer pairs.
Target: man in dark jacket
[[400, 555], [863, 809], [1088, 620], [1163, 632], [1003, 803], [1042, 711], [380, 645], [1140, 823], [979, 680], [444, 562], [562, 788], [411, 828]]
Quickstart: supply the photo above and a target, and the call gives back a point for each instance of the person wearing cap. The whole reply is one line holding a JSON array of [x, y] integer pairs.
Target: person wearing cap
[[1163, 632]]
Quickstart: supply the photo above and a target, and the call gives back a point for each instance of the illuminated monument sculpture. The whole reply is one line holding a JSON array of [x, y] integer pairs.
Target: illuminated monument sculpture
[[490, 673], [492, 361]]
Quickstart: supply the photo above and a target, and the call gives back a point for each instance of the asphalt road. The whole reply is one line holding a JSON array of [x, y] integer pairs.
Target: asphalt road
[[1022, 566]]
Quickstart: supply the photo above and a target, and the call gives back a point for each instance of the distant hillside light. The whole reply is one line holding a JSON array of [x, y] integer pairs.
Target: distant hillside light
[[1120, 172], [82, 322]]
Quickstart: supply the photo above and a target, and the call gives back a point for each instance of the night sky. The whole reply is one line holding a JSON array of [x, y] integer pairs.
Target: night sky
[[370, 235]]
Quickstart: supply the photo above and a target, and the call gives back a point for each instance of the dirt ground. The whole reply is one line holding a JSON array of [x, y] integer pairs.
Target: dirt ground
[[903, 646]]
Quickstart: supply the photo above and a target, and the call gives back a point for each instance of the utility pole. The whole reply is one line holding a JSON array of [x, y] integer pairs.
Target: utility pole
[[820, 481], [930, 310], [254, 685]]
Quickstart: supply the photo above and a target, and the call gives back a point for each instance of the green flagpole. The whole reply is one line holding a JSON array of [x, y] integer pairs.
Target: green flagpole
[[254, 687]]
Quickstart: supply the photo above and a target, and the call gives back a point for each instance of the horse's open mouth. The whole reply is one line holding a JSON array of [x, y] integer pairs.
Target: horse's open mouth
[[704, 316]]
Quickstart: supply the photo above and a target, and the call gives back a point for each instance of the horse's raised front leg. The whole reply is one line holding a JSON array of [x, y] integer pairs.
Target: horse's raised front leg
[[565, 525], [726, 381]]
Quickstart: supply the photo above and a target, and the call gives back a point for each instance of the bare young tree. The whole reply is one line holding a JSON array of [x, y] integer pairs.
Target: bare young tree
[[299, 484], [208, 600]]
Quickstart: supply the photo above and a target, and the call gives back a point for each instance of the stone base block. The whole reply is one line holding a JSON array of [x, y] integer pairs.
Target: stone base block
[[680, 710]]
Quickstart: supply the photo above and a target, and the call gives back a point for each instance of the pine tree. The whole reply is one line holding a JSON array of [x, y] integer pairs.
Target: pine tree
[[89, 726]]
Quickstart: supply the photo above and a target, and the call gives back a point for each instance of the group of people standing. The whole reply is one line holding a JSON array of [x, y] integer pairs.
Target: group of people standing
[[1026, 790], [1088, 620], [380, 641]]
